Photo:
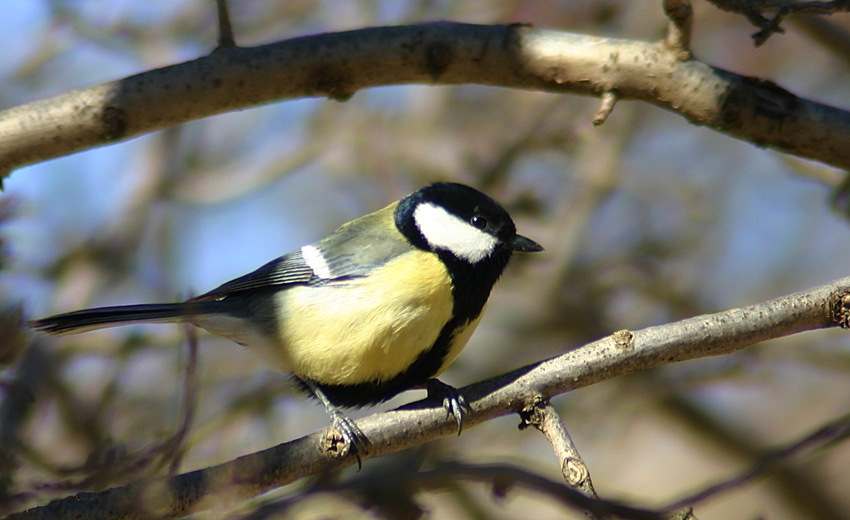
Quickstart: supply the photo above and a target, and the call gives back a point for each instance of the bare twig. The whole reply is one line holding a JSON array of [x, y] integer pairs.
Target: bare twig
[[446, 475], [830, 35], [225, 29], [545, 418], [190, 400], [609, 99], [503, 477], [794, 484], [835, 431], [754, 9], [416, 423], [337, 65], [835, 6], [681, 16]]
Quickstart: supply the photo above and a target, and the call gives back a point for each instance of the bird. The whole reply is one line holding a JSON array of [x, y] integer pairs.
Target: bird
[[381, 305]]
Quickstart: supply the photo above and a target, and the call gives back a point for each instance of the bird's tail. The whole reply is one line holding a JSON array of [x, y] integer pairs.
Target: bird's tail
[[102, 317]]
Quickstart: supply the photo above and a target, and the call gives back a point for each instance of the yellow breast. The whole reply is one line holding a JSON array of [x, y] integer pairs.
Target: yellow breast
[[368, 329]]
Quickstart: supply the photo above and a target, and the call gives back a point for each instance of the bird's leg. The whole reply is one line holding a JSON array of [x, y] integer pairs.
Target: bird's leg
[[452, 400], [354, 438]]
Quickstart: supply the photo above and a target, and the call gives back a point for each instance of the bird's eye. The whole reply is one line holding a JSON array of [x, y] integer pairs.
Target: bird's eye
[[478, 221]]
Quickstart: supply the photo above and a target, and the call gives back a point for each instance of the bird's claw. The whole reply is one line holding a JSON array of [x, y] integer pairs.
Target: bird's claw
[[454, 403], [355, 440]]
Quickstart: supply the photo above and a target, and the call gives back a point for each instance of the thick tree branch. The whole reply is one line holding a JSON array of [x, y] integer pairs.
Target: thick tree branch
[[337, 65], [622, 353]]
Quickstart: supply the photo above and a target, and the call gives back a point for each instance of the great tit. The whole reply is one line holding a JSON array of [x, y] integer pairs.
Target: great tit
[[382, 305]]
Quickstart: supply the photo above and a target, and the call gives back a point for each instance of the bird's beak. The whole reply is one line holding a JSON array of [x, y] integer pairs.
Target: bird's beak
[[526, 245]]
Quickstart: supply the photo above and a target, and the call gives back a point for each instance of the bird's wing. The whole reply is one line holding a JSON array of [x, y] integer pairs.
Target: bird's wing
[[286, 270], [353, 250], [359, 246]]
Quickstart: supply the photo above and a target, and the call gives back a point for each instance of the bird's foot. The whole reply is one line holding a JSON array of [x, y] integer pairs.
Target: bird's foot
[[454, 403], [353, 438]]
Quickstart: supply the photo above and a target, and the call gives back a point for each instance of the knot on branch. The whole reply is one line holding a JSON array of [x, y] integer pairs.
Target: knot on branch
[[533, 414], [839, 311], [575, 471], [624, 339]]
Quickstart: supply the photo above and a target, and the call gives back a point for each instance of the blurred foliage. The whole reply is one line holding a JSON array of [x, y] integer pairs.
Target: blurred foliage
[[645, 220]]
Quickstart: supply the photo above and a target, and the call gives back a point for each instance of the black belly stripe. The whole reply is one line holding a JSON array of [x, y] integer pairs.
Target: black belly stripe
[[471, 288], [372, 392]]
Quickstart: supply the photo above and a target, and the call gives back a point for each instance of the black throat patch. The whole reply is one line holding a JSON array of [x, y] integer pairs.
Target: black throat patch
[[471, 286]]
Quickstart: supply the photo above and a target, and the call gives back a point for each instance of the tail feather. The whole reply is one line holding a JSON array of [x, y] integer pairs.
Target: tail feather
[[91, 319]]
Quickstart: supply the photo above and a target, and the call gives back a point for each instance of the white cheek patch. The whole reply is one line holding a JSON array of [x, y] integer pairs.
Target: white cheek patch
[[316, 261], [442, 230]]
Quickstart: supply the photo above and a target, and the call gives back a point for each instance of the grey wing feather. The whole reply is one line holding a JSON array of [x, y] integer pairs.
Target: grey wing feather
[[286, 270], [363, 244], [351, 251]]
